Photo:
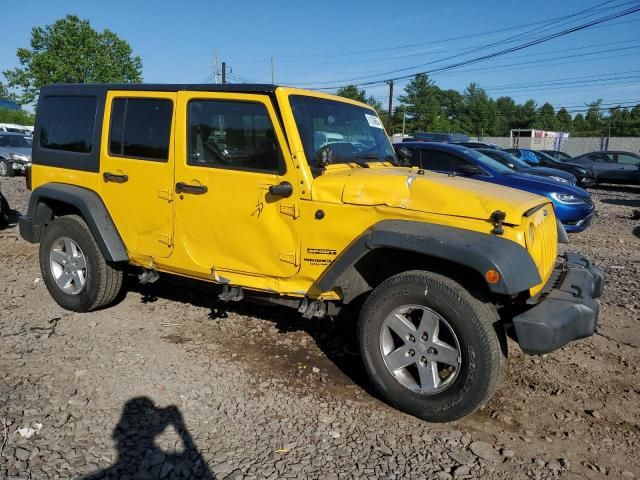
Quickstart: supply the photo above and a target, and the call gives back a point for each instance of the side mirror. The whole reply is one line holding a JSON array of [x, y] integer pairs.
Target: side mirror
[[404, 155], [283, 189], [325, 156], [469, 169]]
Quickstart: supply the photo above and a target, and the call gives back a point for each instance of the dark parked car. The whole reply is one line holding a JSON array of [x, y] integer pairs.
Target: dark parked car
[[573, 206], [536, 158], [563, 157], [521, 166], [437, 137], [611, 166]]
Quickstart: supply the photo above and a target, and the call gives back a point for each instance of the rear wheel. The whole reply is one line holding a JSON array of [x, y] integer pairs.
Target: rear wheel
[[6, 169], [73, 268], [431, 348]]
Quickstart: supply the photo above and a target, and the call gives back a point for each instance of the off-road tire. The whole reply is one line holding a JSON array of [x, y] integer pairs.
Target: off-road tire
[[8, 168], [103, 279], [482, 344]]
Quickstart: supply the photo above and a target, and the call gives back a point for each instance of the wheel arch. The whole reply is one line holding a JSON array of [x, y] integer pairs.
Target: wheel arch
[[392, 246], [57, 199]]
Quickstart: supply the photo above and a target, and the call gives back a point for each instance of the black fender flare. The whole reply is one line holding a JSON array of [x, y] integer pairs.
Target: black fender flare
[[90, 206], [475, 250]]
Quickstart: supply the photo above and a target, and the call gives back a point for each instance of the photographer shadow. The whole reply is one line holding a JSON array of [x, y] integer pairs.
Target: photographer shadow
[[139, 457]]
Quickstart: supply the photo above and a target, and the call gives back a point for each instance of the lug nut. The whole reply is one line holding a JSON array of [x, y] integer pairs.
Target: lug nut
[[412, 352], [412, 338], [431, 351], [424, 337]]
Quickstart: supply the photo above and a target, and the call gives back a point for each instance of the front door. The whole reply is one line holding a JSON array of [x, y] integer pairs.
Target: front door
[[230, 151], [136, 169]]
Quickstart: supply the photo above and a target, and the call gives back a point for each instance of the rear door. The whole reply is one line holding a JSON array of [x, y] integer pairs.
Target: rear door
[[136, 169], [627, 167]]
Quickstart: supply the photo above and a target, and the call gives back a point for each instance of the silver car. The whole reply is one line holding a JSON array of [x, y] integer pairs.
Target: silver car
[[15, 153]]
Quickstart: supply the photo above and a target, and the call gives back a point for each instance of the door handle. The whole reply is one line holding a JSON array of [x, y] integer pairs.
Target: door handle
[[114, 177], [182, 187]]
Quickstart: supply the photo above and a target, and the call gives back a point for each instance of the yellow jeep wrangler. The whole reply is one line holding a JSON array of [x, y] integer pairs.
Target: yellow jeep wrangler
[[296, 197]]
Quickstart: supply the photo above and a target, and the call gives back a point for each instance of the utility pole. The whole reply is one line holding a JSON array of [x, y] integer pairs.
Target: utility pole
[[224, 72], [272, 76], [215, 66], [390, 83], [404, 119]]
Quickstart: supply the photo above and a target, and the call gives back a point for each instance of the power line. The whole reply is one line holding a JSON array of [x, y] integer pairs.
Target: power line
[[528, 44]]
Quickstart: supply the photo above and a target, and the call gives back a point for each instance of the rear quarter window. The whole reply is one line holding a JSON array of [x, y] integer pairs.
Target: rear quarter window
[[67, 123]]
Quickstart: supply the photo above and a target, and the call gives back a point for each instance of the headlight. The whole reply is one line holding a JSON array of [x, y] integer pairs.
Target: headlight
[[566, 198], [17, 156], [582, 171], [560, 179]]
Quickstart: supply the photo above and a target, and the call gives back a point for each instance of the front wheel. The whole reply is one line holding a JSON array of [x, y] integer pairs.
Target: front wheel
[[430, 347]]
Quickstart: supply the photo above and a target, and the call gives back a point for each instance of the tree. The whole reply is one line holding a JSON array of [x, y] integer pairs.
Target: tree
[[352, 92], [508, 111], [579, 125], [355, 93], [16, 116], [526, 115], [421, 99], [564, 121], [481, 115], [71, 51], [593, 118], [546, 117], [5, 94]]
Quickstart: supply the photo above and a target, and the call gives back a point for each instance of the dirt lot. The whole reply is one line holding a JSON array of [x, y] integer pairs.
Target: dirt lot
[[171, 384]]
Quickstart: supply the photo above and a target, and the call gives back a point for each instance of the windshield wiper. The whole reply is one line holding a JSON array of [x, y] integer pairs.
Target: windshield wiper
[[361, 161]]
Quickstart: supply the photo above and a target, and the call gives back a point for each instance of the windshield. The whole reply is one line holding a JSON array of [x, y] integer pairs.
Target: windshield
[[15, 141], [508, 157], [352, 132], [489, 162]]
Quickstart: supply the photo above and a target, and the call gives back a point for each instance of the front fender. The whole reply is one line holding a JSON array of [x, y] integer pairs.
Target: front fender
[[478, 251]]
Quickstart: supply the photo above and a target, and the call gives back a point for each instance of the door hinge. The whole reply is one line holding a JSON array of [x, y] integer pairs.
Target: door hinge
[[165, 195], [289, 257], [166, 239], [290, 209]]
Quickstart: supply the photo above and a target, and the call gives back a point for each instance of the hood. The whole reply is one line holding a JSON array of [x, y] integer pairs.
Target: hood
[[549, 171], [17, 150], [428, 192], [541, 185]]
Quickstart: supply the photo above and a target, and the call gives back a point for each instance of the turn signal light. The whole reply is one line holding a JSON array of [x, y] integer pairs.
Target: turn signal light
[[491, 276]]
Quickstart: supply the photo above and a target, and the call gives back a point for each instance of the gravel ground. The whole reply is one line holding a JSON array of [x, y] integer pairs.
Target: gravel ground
[[170, 384]]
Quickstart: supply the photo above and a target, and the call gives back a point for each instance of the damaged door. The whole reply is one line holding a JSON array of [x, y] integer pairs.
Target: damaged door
[[236, 209]]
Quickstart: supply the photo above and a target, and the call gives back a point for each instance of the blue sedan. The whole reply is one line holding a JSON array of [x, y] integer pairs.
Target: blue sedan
[[573, 205]]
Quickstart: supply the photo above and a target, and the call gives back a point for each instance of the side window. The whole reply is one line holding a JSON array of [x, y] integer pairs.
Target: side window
[[441, 161], [141, 128], [4, 140], [601, 157], [232, 135], [415, 160], [67, 123], [628, 159]]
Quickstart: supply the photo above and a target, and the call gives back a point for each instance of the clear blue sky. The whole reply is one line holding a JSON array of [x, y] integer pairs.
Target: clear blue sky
[[314, 42]]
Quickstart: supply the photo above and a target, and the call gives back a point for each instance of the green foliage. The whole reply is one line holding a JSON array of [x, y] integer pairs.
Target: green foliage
[[422, 102], [16, 116], [546, 118], [5, 94], [354, 93], [71, 51]]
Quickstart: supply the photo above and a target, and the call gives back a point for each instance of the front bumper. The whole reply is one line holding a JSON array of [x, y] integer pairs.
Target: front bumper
[[566, 309], [587, 181]]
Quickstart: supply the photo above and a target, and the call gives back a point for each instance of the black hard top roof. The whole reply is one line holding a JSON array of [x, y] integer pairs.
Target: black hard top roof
[[95, 88]]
